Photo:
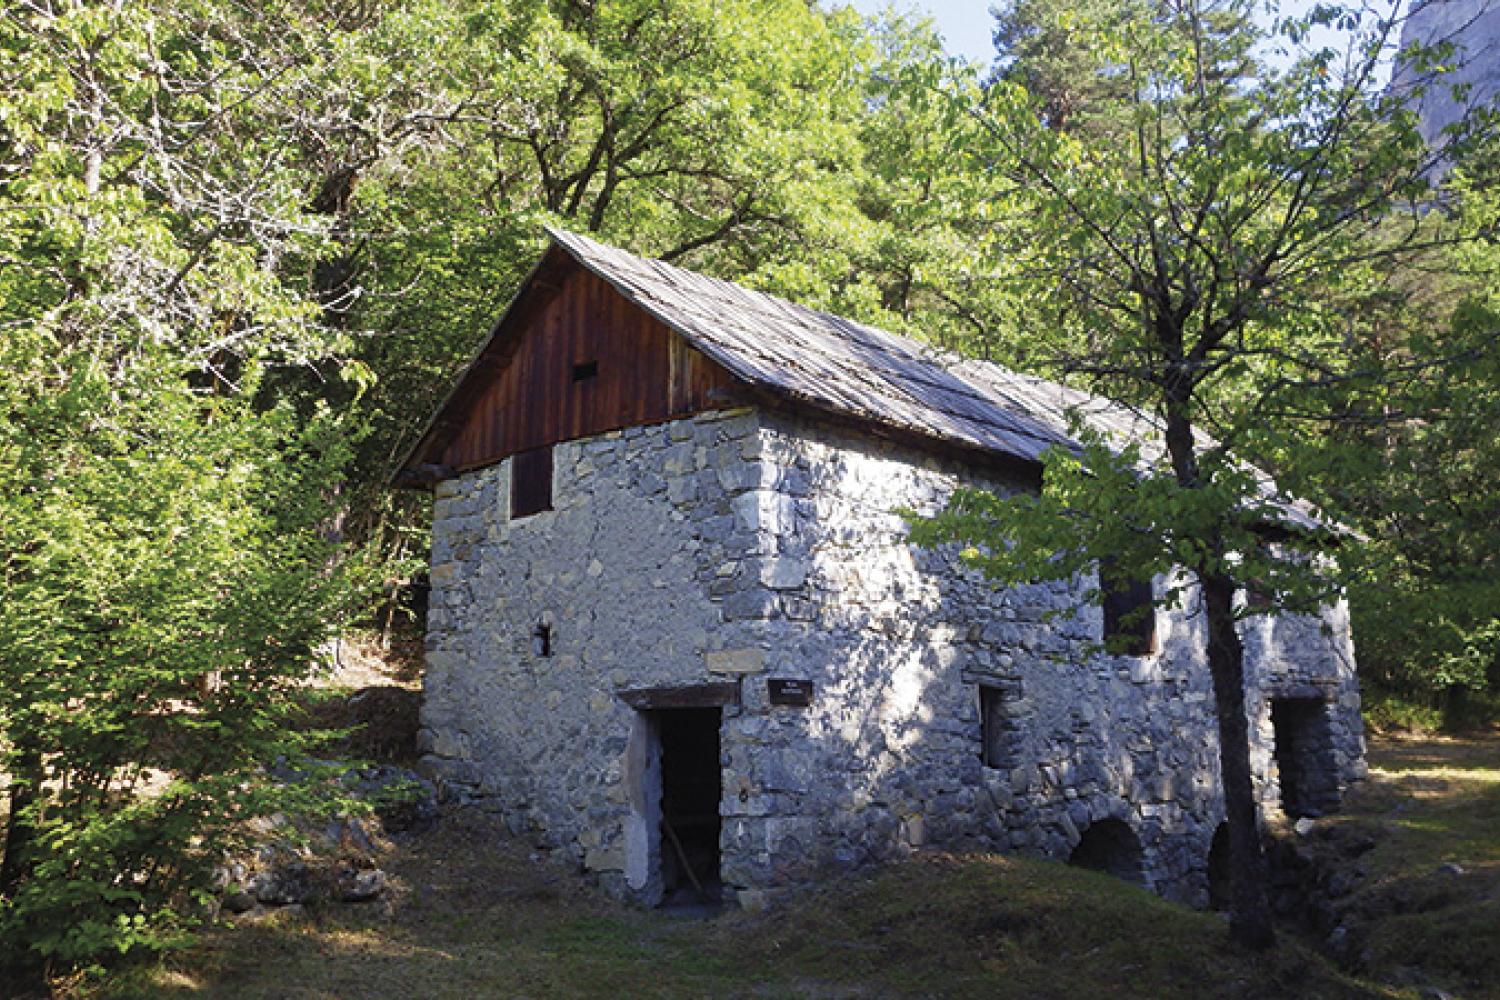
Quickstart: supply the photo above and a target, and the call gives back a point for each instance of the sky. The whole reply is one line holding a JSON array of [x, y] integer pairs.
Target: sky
[[964, 24]]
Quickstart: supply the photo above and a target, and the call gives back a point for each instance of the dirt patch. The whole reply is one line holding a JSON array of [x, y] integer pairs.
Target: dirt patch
[[372, 690], [381, 722], [361, 660]]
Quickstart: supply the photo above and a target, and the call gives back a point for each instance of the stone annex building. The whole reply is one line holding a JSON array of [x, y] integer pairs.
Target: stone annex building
[[676, 628]]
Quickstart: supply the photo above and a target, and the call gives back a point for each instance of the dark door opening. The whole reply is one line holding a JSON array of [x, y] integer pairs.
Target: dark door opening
[[1304, 757], [691, 787]]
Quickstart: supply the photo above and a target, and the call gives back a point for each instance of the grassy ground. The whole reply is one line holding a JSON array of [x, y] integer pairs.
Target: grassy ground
[[475, 916], [1427, 910]]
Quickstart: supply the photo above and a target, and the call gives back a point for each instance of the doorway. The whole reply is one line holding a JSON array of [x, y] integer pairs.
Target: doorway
[[691, 789], [1220, 888], [1305, 766]]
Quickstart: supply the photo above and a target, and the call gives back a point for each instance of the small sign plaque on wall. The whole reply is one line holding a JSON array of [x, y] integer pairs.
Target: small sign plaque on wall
[[789, 691]]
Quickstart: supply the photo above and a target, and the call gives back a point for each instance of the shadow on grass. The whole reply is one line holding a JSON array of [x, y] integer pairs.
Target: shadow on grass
[[475, 914]]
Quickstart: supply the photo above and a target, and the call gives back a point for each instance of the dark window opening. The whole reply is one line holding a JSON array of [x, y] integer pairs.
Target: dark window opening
[[585, 370], [998, 734], [1129, 614], [691, 788], [1305, 767], [531, 482], [1111, 846], [1219, 891]]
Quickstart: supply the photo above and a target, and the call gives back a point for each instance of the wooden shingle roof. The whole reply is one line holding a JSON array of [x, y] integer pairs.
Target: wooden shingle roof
[[821, 359], [837, 365]]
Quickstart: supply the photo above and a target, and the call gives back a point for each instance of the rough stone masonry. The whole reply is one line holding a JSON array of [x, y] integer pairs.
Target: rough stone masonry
[[745, 545]]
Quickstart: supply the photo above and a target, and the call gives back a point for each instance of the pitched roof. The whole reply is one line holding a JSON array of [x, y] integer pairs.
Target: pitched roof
[[822, 359], [835, 364]]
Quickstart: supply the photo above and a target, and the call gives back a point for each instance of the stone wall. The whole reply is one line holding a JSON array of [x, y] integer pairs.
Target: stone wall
[[753, 545]]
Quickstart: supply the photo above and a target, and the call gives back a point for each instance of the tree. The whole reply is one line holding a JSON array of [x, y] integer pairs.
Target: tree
[[1194, 259], [164, 561], [720, 133], [1057, 53], [1411, 456]]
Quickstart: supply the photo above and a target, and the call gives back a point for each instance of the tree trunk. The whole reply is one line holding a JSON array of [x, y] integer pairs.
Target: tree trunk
[[1250, 907]]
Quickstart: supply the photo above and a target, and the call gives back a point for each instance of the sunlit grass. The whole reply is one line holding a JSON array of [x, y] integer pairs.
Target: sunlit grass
[[936, 926], [1432, 902]]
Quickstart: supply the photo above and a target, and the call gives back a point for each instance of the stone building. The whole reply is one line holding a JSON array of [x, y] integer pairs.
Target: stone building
[[676, 628]]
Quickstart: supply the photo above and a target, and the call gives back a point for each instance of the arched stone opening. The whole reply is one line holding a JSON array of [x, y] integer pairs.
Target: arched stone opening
[[1111, 846], [1218, 869]]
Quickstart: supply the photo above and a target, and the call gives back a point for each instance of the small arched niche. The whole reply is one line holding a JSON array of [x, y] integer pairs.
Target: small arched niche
[[1111, 846]]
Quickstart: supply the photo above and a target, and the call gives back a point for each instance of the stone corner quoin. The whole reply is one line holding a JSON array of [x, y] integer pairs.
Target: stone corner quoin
[[697, 563]]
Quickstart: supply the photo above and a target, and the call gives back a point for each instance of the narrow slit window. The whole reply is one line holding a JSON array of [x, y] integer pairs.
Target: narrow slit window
[[585, 370], [531, 482], [1129, 615]]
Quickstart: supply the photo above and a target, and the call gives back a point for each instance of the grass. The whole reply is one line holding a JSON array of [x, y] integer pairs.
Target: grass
[[1432, 804], [474, 915]]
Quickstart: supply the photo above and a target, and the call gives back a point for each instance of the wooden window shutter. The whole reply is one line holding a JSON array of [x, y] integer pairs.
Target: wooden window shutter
[[531, 482]]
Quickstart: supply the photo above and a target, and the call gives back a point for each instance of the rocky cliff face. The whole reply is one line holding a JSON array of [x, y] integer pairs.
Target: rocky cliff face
[[1473, 28]]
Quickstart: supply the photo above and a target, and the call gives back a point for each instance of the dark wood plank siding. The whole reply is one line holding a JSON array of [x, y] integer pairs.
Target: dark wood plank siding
[[646, 374]]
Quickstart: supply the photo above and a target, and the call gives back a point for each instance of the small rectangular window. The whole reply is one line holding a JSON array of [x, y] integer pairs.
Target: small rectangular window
[[585, 370], [997, 731], [531, 482], [1129, 615]]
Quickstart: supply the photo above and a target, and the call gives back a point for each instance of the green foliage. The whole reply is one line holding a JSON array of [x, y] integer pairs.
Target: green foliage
[[1214, 242], [165, 555], [1060, 53], [1407, 450], [166, 582], [1193, 249], [1105, 505]]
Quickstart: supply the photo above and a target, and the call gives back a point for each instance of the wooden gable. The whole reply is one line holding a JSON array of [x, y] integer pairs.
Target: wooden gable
[[571, 358]]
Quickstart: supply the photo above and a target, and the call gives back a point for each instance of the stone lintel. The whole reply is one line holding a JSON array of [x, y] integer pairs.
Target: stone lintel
[[1322, 690], [735, 661], [713, 695]]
